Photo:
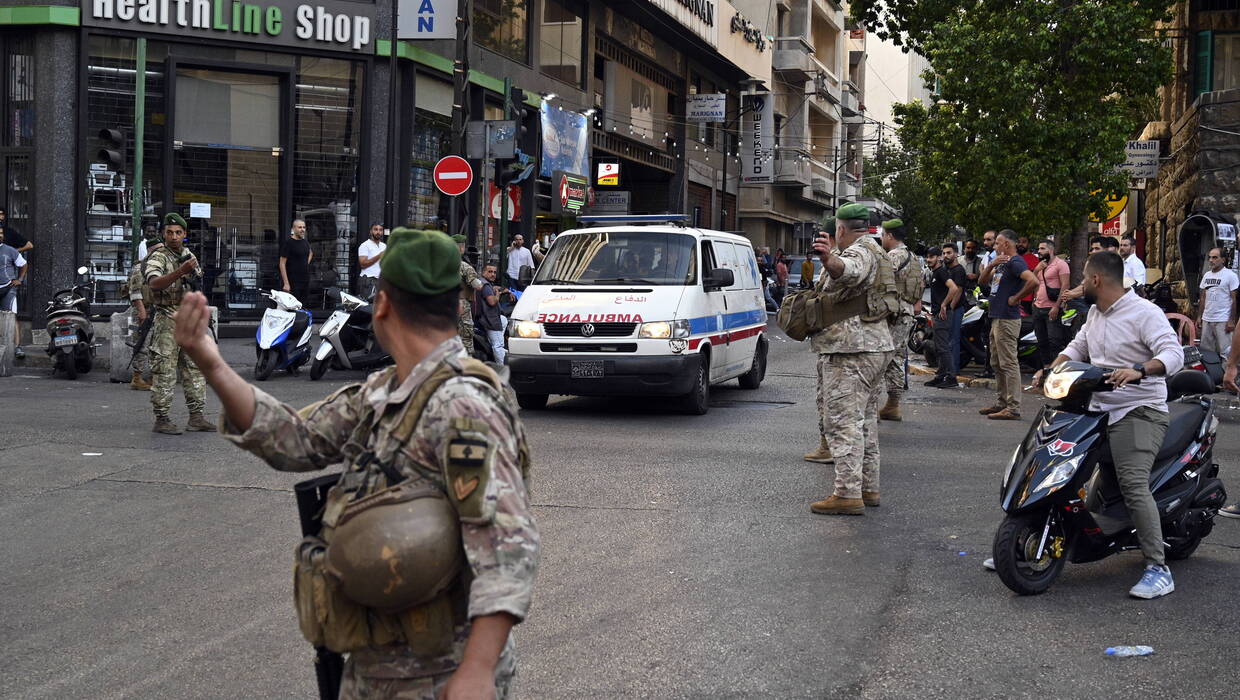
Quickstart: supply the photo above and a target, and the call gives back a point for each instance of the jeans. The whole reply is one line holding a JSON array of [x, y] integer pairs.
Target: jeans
[[1052, 335], [8, 299], [947, 343], [496, 339]]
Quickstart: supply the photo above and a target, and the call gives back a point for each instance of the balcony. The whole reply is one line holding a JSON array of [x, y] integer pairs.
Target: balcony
[[821, 182], [850, 100], [794, 58], [792, 167], [826, 91]]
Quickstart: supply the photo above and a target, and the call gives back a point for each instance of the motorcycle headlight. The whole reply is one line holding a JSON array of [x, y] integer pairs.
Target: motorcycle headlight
[[1059, 383], [664, 329], [526, 329], [1060, 474]]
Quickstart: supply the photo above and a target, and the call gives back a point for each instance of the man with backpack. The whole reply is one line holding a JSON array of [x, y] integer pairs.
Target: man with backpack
[[909, 284], [427, 550]]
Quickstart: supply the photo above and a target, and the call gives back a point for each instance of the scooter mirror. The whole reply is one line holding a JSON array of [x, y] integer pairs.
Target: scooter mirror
[[82, 270]]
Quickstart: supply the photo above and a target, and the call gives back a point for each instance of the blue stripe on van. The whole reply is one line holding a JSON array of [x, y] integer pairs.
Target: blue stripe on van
[[740, 319]]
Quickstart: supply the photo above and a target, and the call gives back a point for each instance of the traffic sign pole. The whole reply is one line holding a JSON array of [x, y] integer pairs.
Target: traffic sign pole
[[503, 193]]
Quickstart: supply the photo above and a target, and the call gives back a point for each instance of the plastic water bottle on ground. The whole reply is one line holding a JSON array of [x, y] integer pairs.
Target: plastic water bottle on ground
[[1130, 651]]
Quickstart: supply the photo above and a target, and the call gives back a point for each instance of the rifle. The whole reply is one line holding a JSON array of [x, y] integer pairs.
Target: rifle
[[144, 329], [311, 495]]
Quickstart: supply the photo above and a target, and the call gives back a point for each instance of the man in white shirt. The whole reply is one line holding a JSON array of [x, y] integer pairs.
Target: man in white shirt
[[518, 256], [1216, 310], [1134, 267], [369, 254]]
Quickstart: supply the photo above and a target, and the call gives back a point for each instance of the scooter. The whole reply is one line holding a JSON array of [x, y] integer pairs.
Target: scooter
[[347, 339], [1206, 361], [283, 336], [1060, 492], [71, 335]]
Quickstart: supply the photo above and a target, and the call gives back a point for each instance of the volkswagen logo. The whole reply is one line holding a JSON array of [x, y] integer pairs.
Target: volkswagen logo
[[587, 329]]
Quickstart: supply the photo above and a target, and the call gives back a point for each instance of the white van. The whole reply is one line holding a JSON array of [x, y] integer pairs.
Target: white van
[[652, 310]]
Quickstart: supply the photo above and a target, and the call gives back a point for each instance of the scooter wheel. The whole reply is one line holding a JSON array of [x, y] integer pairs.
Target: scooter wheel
[[1182, 549], [319, 368], [266, 365], [1016, 549], [69, 366]]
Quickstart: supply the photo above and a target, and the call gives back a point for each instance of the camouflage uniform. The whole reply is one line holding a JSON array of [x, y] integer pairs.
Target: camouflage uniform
[[852, 355], [470, 281], [906, 265], [166, 356], [502, 550], [139, 291]]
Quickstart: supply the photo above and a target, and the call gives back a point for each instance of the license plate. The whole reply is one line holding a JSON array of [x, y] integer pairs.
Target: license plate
[[586, 369], [65, 340]]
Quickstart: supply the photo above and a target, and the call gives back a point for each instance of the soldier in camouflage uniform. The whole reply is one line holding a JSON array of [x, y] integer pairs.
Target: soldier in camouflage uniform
[[171, 271], [414, 319], [909, 280], [471, 281], [140, 302], [852, 355]]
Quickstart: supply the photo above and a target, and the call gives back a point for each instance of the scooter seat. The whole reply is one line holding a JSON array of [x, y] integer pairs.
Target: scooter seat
[[1182, 426]]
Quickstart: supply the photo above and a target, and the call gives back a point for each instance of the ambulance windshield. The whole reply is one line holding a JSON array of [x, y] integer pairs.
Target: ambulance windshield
[[626, 257]]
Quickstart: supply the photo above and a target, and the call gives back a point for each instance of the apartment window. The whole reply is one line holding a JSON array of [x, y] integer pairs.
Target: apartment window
[[503, 27], [1226, 61], [561, 39]]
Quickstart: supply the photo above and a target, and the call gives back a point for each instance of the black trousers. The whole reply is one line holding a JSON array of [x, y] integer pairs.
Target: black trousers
[[1052, 335]]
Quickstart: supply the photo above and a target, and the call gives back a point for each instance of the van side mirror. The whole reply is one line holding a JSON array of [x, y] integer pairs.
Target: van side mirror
[[526, 275], [718, 278]]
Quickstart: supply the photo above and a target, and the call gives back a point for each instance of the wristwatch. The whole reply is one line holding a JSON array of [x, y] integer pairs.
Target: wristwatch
[[1140, 368]]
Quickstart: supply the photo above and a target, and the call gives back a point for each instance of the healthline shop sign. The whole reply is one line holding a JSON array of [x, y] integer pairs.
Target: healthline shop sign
[[339, 25]]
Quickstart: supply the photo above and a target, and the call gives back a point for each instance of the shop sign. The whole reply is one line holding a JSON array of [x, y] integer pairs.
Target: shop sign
[[569, 192], [328, 24], [1111, 227], [426, 19], [497, 204], [709, 107], [758, 147], [1141, 159], [611, 202], [1115, 205], [697, 15], [608, 175], [750, 31], [565, 140]]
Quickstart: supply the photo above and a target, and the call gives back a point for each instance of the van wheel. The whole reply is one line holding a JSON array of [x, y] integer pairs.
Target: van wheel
[[753, 378], [532, 402], [697, 401]]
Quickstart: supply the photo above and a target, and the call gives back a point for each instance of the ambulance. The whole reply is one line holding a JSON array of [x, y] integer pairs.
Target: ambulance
[[639, 306]]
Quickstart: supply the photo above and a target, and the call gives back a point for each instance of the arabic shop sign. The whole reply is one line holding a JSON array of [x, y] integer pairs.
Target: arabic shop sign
[[329, 24], [697, 15], [749, 30]]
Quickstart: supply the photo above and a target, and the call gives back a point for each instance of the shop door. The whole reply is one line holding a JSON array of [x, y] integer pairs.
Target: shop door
[[228, 179]]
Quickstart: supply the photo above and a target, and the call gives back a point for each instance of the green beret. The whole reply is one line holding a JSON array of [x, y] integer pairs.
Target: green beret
[[893, 223], [174, 219], [458, 238], [853, 211], [421, 262]]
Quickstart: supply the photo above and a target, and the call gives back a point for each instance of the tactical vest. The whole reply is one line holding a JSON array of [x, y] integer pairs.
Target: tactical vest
[[171, 295], [911, 287], [341, 603], [809, 311]]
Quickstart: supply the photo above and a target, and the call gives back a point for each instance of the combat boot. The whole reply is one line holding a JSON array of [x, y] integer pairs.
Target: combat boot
[[138, 383], [165, 426], [870, 498], [198, 423], [839, 506], [892, 410], [822, 455]]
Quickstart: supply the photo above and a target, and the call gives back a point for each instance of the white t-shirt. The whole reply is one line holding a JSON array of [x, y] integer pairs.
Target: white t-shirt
[[1134, 268], [369, 249], [1217, 288], [517, 258]]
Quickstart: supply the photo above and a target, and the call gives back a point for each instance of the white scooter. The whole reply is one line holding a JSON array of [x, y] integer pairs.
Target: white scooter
[[348, 340], [283, 336]]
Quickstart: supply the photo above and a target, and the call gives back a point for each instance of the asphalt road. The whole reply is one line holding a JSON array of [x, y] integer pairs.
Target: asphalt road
[[680, 560]]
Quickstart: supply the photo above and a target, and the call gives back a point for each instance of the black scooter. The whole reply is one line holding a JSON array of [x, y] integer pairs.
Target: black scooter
[[348, 339], [1060, 492], [71, 335]]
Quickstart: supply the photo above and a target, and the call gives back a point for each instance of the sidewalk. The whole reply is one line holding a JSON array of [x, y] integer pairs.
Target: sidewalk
[[238, 352]]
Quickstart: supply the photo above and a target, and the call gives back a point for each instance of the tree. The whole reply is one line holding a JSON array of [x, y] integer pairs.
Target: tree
[[892, 176], [1035, 101]]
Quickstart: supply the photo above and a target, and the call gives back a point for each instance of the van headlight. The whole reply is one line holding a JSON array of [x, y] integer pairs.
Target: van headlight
[[1060, 383], [526, 329], [1060, 474], [663, 330]]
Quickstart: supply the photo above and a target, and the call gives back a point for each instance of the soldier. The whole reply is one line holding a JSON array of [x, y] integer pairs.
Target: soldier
[[172, 271], [463, 444], [853, 351], [140, 300], [909, 283], [471, 281]]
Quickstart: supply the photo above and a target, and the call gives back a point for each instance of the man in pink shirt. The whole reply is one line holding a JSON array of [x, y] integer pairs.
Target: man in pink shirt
[[1053, 279]]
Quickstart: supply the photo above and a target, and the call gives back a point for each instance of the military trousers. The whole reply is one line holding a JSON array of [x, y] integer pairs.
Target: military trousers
[[849, 386], [355, 685], [141, 355], [167, 361], [895, 373], [465, 326]]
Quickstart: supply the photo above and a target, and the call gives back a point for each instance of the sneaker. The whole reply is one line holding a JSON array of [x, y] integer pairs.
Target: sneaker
[[989, 564], [934, 382], [1231, 511], [1005, 414], [1156, 582], [949, 384]]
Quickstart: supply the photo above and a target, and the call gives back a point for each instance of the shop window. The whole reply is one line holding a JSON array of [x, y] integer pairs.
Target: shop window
[[561, 39], [431, 140], [19, 74], [503, 26]]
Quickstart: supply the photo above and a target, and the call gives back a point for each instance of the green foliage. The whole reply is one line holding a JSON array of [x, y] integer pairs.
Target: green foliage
[[1037, 99], [892, 176]]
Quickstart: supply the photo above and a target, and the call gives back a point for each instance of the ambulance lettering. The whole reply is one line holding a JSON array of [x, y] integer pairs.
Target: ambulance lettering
[[588, 318]]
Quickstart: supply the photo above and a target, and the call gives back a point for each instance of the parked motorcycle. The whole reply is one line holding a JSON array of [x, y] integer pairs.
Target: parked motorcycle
[[1060, 492], [347, 339], [71, 335], [1206, 361], [283, 336]]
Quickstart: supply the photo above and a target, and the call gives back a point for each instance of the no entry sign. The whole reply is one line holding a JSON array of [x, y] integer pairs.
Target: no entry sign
[[453, 176]]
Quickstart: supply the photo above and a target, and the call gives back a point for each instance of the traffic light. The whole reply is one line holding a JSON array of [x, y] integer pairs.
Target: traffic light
[[113, 151]]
